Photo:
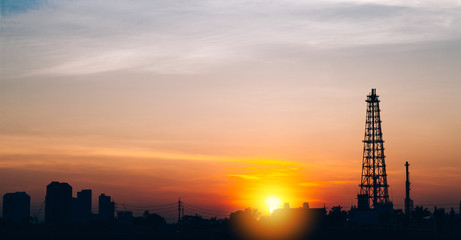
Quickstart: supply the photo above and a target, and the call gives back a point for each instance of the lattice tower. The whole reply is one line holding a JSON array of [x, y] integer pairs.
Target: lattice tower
[[374, 177]]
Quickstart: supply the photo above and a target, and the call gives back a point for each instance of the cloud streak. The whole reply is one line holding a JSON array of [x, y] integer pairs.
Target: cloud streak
[[183, 37]]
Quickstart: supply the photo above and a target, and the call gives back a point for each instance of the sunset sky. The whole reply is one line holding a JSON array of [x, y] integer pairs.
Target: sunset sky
[[225, 103]]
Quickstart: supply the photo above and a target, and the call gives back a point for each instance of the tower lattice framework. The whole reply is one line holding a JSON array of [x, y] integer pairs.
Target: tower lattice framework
[[374, 178]]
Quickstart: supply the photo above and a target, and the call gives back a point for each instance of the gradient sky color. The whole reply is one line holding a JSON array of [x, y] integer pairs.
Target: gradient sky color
[[228, 102]]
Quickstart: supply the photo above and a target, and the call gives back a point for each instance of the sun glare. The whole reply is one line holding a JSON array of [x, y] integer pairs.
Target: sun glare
[[273, 203]]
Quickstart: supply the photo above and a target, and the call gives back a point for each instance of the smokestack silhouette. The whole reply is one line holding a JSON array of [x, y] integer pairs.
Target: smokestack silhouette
[[408, 201]]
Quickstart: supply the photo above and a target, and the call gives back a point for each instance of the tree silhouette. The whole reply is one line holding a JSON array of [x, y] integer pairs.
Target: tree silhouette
[[337, 217], [243, 223], [421, 215], [153, 221]]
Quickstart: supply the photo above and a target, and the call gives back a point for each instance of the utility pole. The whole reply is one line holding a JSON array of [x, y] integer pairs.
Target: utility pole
[[179, 210]]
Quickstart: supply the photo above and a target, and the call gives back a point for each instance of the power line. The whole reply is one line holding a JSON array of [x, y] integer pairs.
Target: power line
[[205, 209], [205, 212], [150, 206]]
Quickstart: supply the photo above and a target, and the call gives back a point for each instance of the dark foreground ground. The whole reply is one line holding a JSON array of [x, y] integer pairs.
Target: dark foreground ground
[[173, 231]]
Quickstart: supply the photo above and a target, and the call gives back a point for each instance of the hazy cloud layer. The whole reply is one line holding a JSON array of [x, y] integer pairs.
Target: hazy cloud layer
[[183, 37]]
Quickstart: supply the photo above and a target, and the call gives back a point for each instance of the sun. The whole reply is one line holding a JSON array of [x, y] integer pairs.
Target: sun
[[273, 203]]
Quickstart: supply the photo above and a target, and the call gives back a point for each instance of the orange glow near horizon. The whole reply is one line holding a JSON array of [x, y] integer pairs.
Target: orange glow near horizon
[[230, 182], [231, 170], [234, 182]]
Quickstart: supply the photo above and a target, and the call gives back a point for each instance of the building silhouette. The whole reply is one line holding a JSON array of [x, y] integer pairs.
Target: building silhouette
[[106, 208], [295, 223], [305, 205], [16, 206], [125, 217], [58, 203], [82, 206]]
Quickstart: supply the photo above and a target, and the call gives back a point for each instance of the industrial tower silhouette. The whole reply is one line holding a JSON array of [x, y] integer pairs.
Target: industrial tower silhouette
[[373, 184]]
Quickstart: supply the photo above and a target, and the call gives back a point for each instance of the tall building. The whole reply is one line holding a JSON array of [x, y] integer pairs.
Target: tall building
[[81, 206], [373, 185], [16, 206], [75, 214], [58, 203], [106, 208], [84, 203]]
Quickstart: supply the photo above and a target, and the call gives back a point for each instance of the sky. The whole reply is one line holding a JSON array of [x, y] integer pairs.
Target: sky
[[225, 103]]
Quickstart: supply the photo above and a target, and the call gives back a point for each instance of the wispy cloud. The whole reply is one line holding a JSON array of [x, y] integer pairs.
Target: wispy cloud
[[309, 184], [324, 183], [247, 177], [184, 37], [107, 147]]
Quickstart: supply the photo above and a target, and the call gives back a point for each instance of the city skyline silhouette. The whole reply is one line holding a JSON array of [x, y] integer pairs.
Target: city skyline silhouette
[[373, 211], [368, 156]]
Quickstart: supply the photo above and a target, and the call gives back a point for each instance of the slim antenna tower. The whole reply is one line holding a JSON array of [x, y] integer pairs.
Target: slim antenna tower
[[374, 178], [408, 201]]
